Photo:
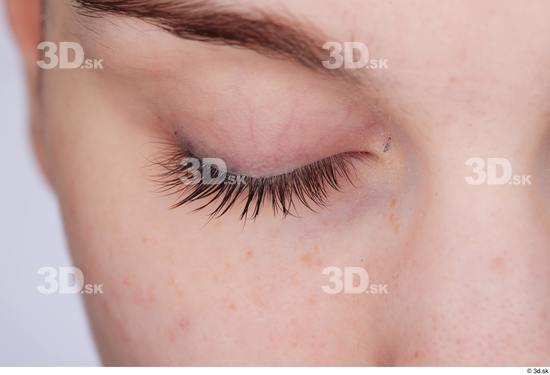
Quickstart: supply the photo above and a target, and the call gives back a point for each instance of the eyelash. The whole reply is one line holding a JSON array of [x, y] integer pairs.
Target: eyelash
[[309, 185]]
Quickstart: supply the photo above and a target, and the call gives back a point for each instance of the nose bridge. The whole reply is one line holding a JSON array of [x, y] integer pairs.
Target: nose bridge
[[483, 250], [475, 202], [479, 185]]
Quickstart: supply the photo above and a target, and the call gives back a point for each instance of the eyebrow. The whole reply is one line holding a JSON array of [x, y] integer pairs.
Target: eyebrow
[[274, 36]]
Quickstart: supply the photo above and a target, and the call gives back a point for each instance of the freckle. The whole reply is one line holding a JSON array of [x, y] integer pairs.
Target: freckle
[[145, 240], [232, 306], [417, 354], [171, 336], [306, 259], [394, 222], [497, 264], [312, 301], [184, 324], [311, 260], [126, 281], [392, 203], [172, 282], [249, 254]]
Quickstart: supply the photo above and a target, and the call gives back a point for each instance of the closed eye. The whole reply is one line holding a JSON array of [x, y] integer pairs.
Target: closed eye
[[308, 186]]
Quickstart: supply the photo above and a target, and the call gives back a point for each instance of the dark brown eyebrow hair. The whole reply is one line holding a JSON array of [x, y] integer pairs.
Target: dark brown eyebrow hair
[[201, 20]]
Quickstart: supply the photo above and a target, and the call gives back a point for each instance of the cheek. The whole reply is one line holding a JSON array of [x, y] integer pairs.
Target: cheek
[[172, 291]]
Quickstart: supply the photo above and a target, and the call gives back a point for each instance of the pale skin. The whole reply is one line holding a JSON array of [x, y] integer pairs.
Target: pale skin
[[466, 266]]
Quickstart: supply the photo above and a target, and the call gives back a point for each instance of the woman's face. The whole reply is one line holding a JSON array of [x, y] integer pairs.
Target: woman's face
[[457, 256]]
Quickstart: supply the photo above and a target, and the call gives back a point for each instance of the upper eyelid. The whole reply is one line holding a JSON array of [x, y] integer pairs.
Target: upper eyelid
[[307, 185], [356, 155]]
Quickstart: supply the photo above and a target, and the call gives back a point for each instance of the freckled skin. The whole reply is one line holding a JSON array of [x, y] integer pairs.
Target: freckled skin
[[466, 266], [312, 259]]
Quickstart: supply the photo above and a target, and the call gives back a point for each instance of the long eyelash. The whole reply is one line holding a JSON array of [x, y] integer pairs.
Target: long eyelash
[[309, 185]]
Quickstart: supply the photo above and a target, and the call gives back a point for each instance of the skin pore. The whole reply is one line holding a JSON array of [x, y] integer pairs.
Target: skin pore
[[466, 266]]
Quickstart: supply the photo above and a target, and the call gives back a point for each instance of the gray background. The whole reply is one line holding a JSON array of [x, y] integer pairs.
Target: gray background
[[35, 329]]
